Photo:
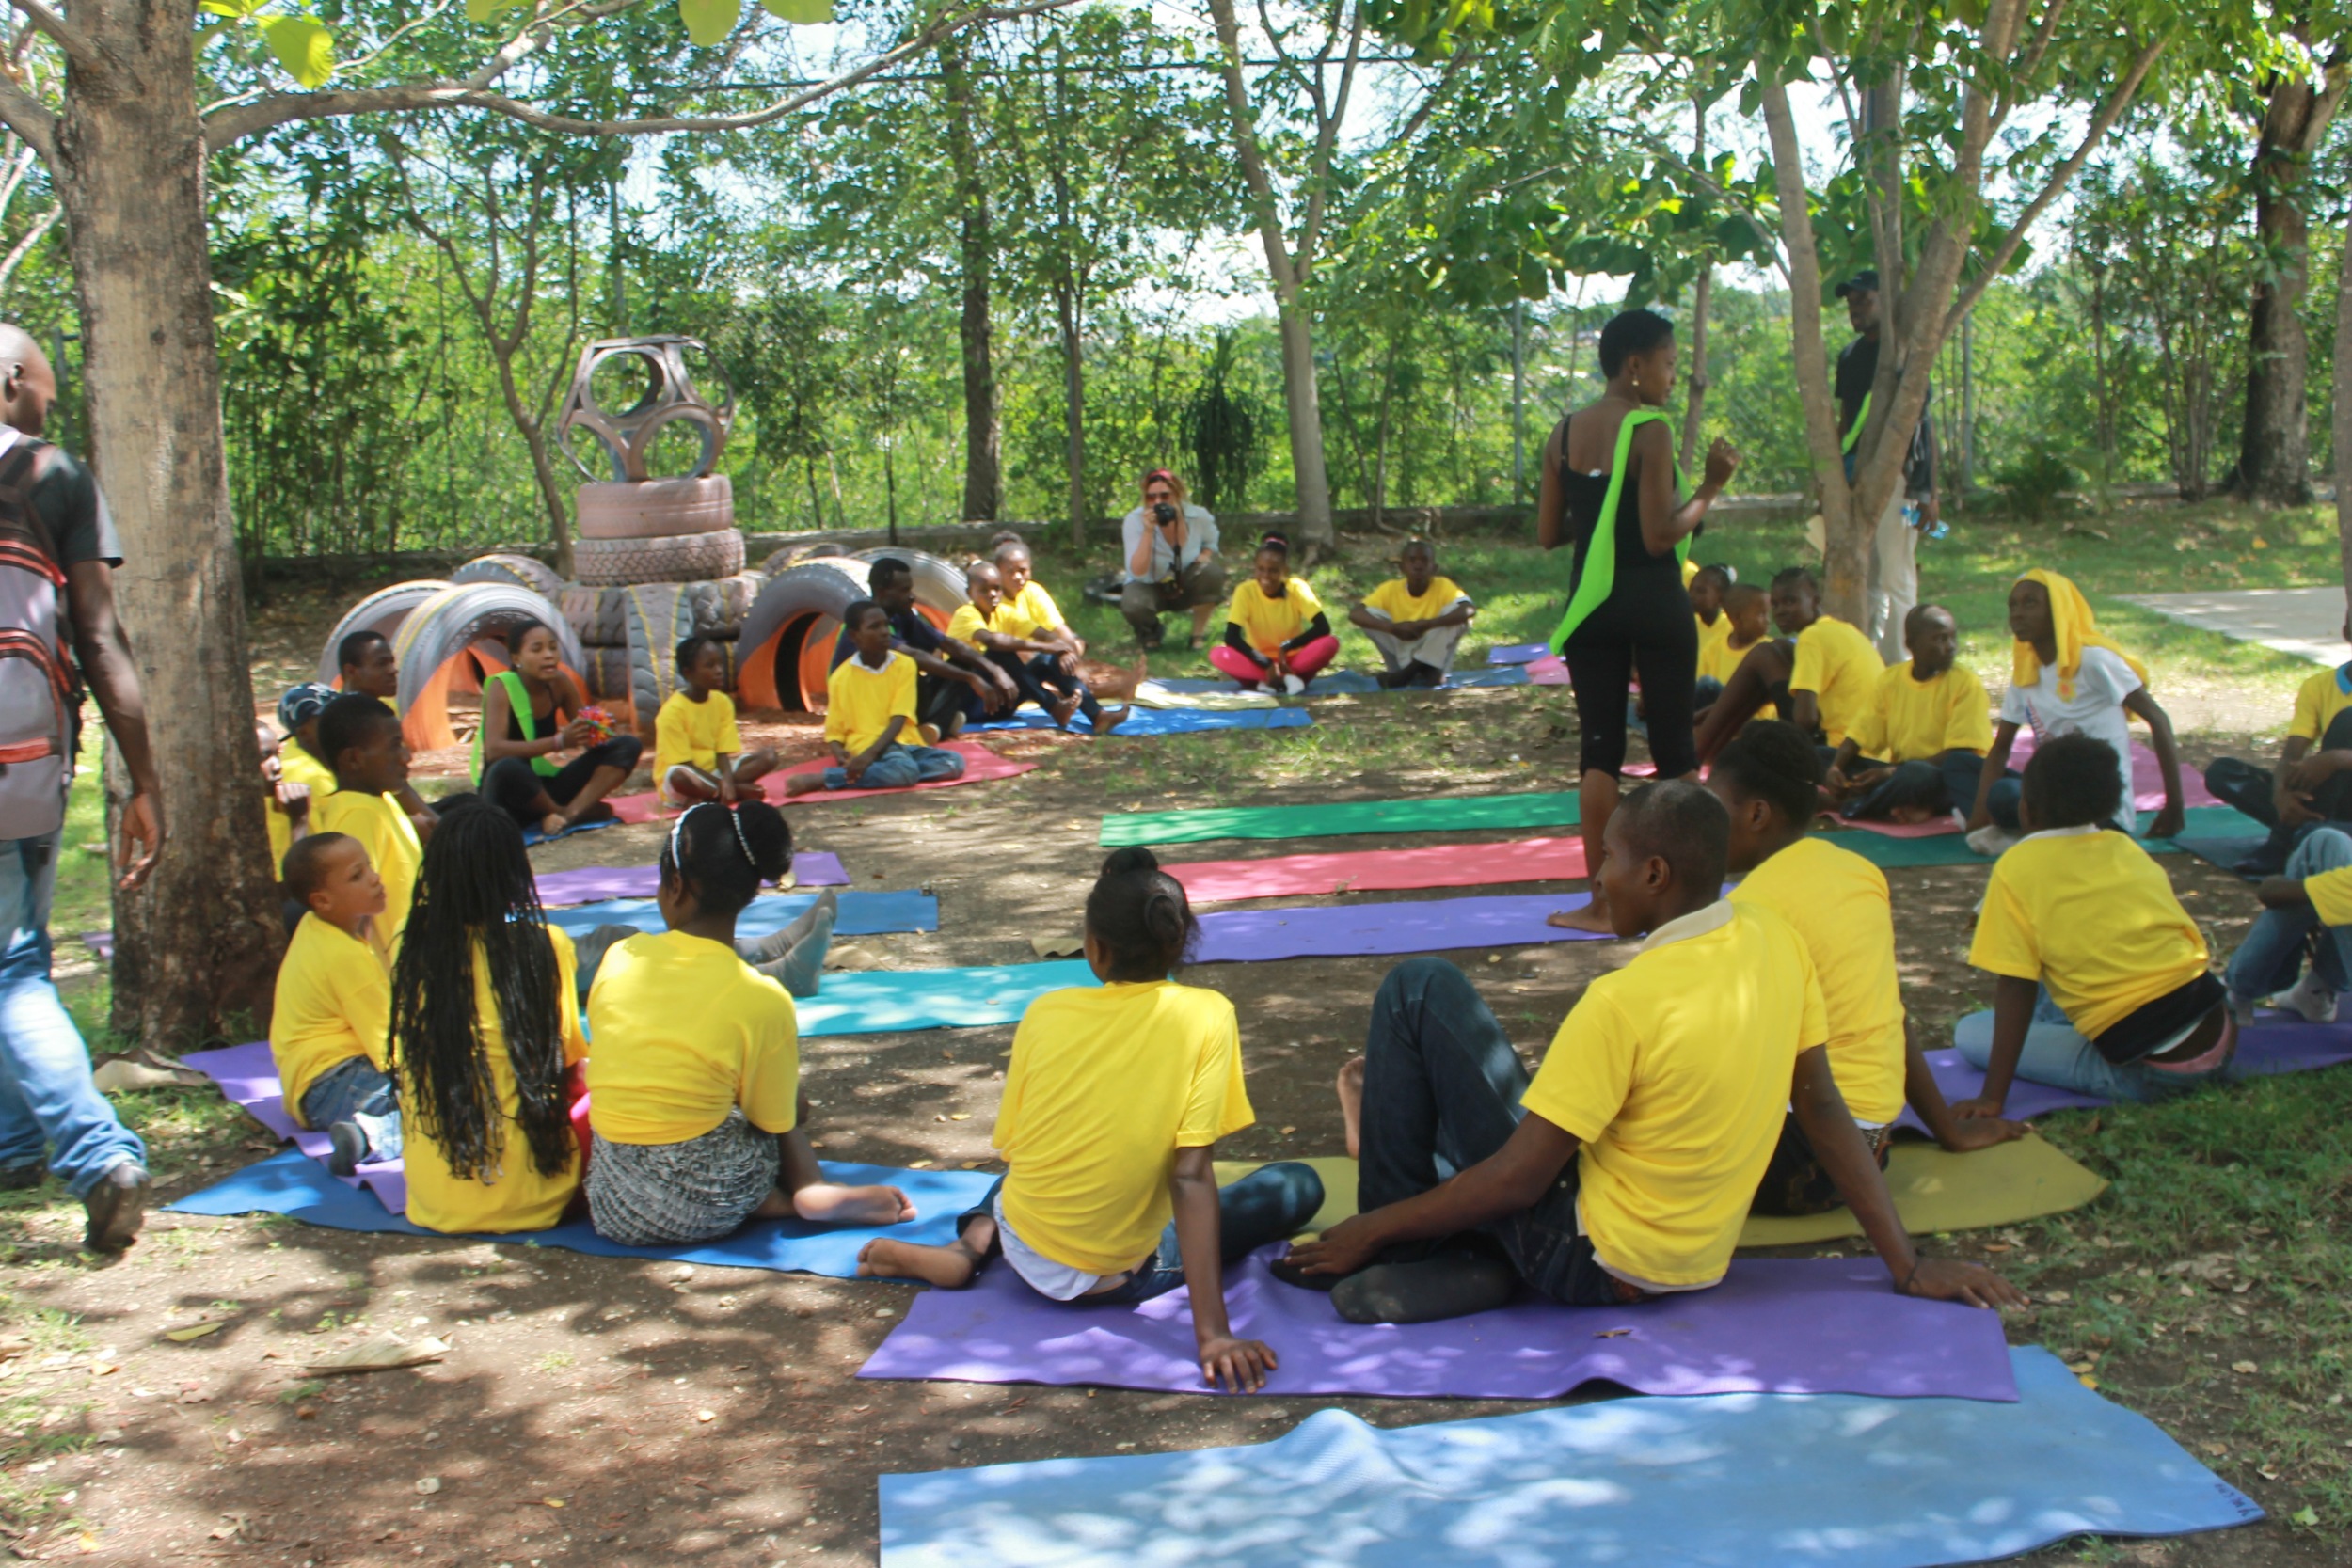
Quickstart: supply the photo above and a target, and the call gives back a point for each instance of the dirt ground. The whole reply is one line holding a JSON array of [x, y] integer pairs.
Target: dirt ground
[[609, 1412]]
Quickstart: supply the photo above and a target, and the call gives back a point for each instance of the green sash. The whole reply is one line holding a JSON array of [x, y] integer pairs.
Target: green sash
[[1598, 578], [1854, 433], [518, 700]]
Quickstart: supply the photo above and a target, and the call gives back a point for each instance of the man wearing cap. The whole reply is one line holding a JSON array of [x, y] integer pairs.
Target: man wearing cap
[[1168, 559], [1894, 583]]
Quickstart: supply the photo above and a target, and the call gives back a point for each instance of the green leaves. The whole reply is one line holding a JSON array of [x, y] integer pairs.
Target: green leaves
[[708, 21], [303, 45], [801, 14], [482, 11]]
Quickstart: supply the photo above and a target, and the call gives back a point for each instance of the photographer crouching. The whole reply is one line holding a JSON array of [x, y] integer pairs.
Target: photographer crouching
[[1170, 553]]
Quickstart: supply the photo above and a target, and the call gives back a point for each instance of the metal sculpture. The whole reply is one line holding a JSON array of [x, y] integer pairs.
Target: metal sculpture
[[670, 397]]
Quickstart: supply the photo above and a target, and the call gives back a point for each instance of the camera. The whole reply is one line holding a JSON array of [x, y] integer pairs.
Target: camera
[[1163, 514]]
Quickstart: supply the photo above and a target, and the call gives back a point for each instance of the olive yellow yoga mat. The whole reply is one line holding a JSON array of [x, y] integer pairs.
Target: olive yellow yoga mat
[[1933, 1191]]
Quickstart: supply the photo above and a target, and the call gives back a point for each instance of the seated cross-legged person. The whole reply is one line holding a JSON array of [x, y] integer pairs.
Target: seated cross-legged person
[[333, 1004], [869, 714], [2306, 913], [1917, 752], [1114, 1102], [1416, 619], [2101, 982], [693, 1091], [1042, 660], [1769, 779], [2311, 785], [697, 748], [1747, 621], [1277, 635], [1625, 1168], [955, 683], [1821, 675]]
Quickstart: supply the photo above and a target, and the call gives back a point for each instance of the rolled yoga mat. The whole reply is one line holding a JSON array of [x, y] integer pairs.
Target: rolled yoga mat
[[861, 915], [1830, 1480], [1392, 926], [1784, 1325], [585, 885], [1437, 813]]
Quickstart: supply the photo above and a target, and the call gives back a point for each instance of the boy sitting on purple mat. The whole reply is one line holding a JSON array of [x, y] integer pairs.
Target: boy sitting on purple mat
[[1623, 1171], [2314, 897]]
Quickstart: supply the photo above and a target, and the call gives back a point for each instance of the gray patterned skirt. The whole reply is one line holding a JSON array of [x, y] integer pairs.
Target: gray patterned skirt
[[662, 1195]]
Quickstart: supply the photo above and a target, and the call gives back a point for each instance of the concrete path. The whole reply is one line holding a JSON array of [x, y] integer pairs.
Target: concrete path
[[2307, 623]]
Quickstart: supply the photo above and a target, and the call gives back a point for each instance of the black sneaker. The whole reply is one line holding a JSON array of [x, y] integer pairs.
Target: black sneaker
[[116, 1206], [1424, 677], [1391, 679], [22, 1179], [351, 1147]]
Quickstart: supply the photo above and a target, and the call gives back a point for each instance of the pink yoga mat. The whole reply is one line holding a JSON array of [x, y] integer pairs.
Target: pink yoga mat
[[1806, 1325], [1940, 827], [247, 1074], [981, 765], [590, 884], [1528, 859], [2147, 777]]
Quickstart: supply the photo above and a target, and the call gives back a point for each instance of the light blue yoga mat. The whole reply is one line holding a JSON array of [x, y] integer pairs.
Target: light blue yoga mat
[[1145, 723], [1726, 1480], [862, 914], [533, 834], [294, 1184], [1354, 683], [876, 1001]]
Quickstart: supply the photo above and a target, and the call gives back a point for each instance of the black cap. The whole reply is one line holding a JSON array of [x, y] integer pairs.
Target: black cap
[[1865, 282]]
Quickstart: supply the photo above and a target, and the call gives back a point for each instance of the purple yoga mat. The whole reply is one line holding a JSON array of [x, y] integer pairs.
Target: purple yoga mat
[[2276, 1042], [247, 1074], [592, 883], [1401, 925], [1803, 1325]]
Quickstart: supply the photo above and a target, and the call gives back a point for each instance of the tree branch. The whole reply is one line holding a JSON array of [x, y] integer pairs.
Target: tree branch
[[76, 45], [30, 118], [23, 247]]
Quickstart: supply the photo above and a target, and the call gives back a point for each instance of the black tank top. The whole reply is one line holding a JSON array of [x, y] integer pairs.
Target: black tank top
[[1645, 584], [547, 725]]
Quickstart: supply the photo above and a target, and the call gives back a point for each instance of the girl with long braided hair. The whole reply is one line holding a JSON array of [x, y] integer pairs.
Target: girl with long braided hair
[[485, 1028], [693, 1092]]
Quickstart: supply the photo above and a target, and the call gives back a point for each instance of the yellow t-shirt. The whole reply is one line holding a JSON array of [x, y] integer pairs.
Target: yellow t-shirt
[[967, 623], [1716, 658], [2330, 893], [2317, 701], [1673, 1074], [1270, 623], [1919, 721], [1837, 664], [334, 1002], [1106, 1083], [1399, 603], [390, 838], [280, 835], [1033, 605], [517, 1197], [1689, 570], [300, 766], [685, 1033], [2086, 913], [1837, 902], [696, 734], [860, 702]]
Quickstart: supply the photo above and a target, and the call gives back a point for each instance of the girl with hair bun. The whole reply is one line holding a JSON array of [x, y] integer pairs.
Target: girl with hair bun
[[1276, 631], [693, 1092], [1113, 1105]]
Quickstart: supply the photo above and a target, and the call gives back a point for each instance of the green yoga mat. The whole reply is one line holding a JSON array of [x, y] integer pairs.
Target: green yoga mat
[[2204, 822], [1440, 813]]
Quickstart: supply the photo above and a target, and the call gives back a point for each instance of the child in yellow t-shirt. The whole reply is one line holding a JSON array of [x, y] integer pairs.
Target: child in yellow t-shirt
[[2101, 982], [693, 1092], [362, 743], [2308, 911], [1917, 752], [1820, 674], [484, 1034], [1769, 779], [1746, 624], [1416, 620], [1114, 1102], [870, 704], [1042, 659], [333, 1006], [2314, 780], [1623, 1170], [1276, 632], [285, 804], [698, 751]]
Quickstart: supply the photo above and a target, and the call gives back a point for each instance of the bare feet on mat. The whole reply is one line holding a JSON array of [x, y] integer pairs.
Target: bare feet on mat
[[1592, 917], [1112, 718], [803, 784], [824, 1203], [1351, 1088], [553, 824], [1060, 709], [951, 1268]]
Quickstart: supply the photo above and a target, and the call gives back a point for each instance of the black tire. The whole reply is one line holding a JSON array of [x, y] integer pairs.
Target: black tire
[[520, 570], [797, 603], [683, 557], [606, 673], [655, 508], [661, 615], [381, 612], [597, 616]]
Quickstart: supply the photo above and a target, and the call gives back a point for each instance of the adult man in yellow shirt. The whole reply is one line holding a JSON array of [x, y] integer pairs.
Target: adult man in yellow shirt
[[1624, 1170], [1917, 752]]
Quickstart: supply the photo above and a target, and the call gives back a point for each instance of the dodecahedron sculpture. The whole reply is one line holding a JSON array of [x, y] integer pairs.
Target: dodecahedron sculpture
[[669, 396]]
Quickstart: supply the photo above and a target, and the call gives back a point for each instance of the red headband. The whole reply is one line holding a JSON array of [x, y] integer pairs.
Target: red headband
[[1161, 473]]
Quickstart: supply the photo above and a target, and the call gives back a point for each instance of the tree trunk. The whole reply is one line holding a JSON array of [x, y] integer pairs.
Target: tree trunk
[[197, 949], [1303, 403], [983, 419], [543, 473], [2344, 414], [1073, 408], [1695, 410], [2274, 451]]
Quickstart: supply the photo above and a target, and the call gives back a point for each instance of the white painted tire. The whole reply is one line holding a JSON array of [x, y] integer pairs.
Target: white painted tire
[[462, 618], [381, 612], [655, 508], [683, 557], [520, 570]]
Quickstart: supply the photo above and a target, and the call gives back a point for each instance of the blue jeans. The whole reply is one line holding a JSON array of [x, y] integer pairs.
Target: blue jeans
[[1944, 782], [900, 768], [1272, 1203], [2270, 959], [47, 1101], [2056, 1054]]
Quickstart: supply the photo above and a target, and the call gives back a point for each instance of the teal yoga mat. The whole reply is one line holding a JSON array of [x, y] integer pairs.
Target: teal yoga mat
[[2204, 822], [876, 1001], [1441, 814], [1821, 1480]]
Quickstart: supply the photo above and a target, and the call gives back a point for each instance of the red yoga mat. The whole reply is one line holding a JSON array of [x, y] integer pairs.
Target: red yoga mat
[[979, 765], [1527, 859]]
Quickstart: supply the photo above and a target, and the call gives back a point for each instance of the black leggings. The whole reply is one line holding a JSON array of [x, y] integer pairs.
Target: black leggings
[[512, 784], [1603, 657]]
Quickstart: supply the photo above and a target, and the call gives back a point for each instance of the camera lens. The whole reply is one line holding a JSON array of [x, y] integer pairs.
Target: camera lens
[[1164, 513]]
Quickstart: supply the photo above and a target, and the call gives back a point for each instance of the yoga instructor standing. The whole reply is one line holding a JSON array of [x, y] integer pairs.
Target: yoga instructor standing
[[1611, 490]]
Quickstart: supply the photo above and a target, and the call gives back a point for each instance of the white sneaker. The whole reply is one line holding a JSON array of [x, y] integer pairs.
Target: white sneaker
[[1991, 839], [1293, 684], [2242, 1010], [2311, 998]]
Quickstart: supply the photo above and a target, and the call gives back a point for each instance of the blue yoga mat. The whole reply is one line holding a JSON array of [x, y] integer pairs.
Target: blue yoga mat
[[294, 1184], [533, 835], [876, 1001], [1144, 722], [862, 914], [1826, 1481], [1354, 683]]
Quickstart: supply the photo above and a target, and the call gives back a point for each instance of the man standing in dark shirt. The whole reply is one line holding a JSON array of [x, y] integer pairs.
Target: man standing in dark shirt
[[52, 1117], [952, 684], [1894, 582]]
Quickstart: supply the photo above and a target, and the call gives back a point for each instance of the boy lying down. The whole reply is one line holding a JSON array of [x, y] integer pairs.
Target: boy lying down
[[1624, 1170]]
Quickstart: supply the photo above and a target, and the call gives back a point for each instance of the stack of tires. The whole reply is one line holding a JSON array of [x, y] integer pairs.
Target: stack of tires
[[636, 540]]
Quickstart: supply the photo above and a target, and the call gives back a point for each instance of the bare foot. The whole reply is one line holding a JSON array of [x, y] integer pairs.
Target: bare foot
[[825, 1203], [553, 824], [951, 1268], [803, 784], [1592, 917], [1060, 710], [1351, 1087], [1111, 720]]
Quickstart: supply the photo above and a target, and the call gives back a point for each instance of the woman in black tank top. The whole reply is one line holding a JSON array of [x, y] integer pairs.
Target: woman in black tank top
[[1628, 614]]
